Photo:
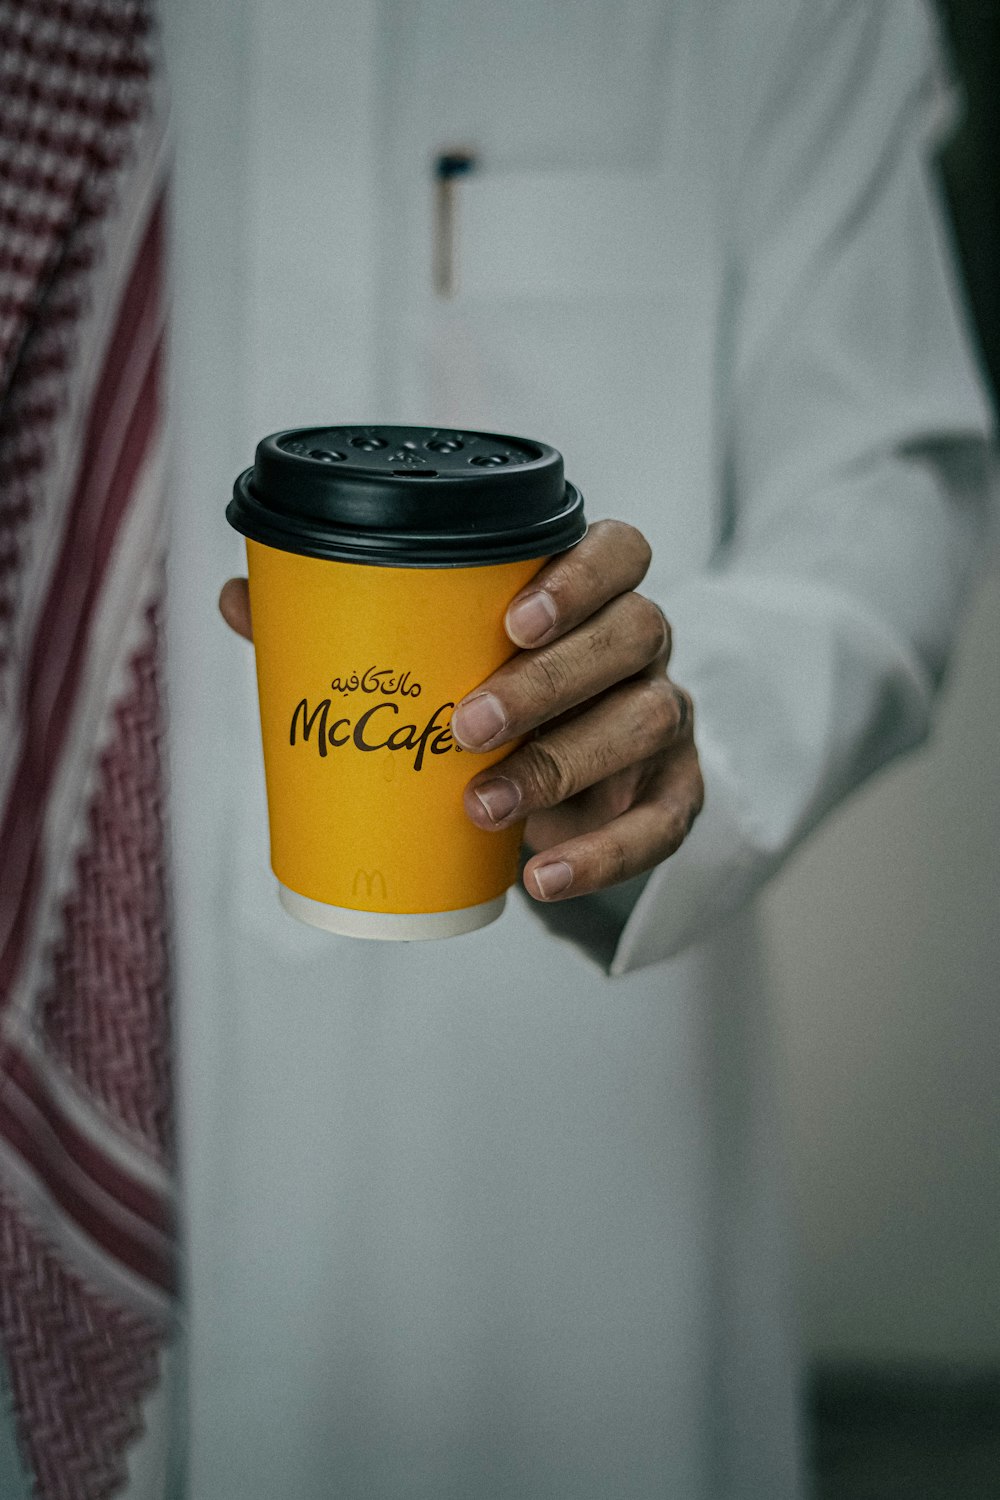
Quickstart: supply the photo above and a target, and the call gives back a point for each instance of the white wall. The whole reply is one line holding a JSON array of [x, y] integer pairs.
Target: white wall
[[885, 943]]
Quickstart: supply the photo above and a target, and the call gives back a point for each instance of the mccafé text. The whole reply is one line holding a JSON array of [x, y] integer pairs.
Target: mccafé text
[[376, 729]]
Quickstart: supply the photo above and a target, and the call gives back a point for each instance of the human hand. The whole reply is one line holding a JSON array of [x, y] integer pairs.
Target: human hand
[[608, 779]]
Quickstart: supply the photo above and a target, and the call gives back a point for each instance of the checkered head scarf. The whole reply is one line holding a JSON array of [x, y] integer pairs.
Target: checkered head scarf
[[86, 1177]]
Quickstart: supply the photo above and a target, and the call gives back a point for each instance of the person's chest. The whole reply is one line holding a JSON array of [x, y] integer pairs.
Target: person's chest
[[567, 286]]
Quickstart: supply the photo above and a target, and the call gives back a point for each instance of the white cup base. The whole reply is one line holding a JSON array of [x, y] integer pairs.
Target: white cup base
[[392, 927]]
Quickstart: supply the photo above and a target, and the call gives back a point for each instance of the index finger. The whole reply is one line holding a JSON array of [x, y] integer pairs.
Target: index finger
[[611, 559]]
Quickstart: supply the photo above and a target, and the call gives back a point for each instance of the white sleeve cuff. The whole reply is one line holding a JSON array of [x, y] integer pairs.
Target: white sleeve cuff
[[658, 914], [714, 872]]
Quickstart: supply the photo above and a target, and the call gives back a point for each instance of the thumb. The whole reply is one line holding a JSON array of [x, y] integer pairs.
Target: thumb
[[234, 606]]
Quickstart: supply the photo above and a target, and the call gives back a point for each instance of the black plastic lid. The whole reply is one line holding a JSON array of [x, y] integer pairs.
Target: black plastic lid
[[407, 497]]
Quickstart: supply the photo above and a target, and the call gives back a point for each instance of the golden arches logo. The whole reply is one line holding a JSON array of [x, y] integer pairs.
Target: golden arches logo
[[370, 883]]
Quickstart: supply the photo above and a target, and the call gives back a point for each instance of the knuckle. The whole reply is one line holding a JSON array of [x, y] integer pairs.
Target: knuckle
[[545, 678], [614, 861], [612, 550], [657, 710], [582, 568], [605, 758], [680, 823], [667, 643], [681, 811], [674, 824], [684, 708], [651, 625], [548, 773], [630, 541], [583, 574], [592, 562]]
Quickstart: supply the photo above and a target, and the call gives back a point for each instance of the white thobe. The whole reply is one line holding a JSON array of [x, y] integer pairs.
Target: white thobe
[[475, 1219]]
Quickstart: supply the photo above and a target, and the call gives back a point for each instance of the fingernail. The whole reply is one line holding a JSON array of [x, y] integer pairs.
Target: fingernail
[[531, 618], [478, 720], [551, 879], [499, 797]]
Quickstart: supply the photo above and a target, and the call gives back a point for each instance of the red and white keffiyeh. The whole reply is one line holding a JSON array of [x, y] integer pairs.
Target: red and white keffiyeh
[[86, 1180]]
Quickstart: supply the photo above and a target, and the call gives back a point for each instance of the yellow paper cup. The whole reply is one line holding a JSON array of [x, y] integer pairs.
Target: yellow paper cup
[[367, 640]]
